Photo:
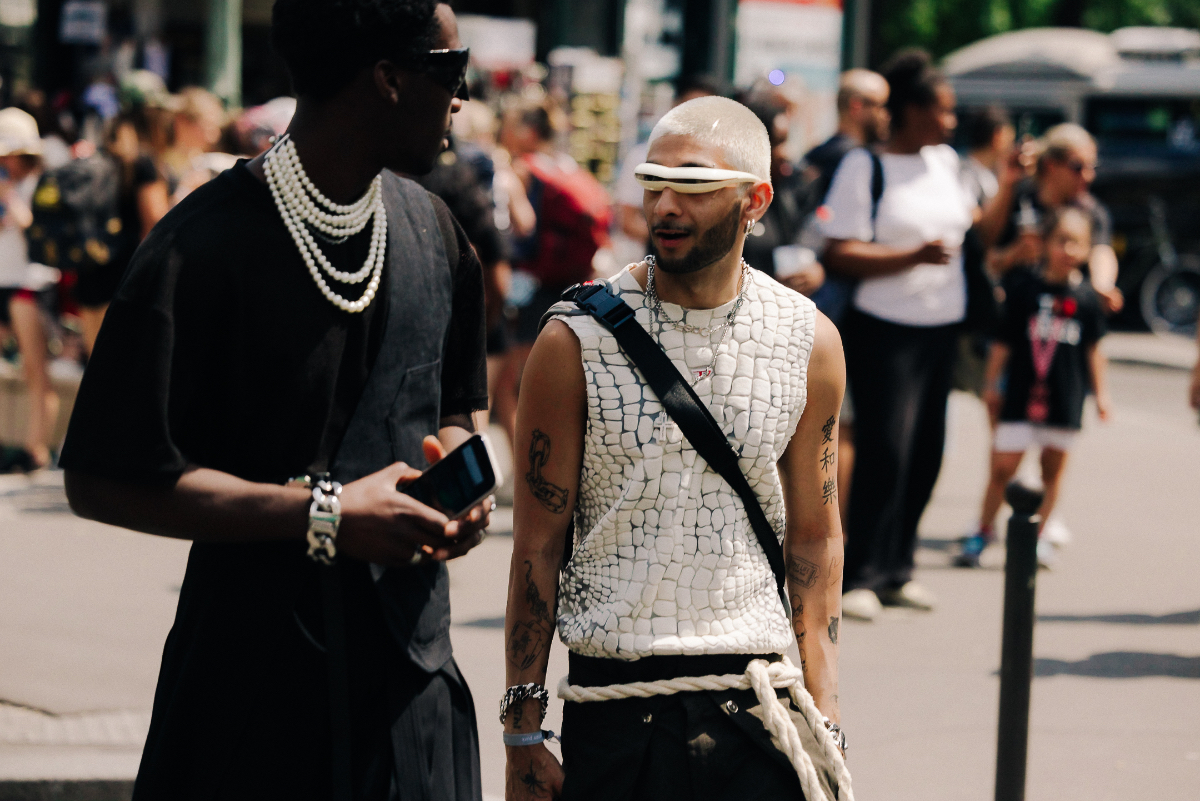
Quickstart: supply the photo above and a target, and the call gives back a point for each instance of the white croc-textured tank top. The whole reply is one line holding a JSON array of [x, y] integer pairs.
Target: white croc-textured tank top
[[664, 559]]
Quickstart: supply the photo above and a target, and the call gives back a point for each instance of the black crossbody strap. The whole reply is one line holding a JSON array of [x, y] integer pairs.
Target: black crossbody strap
[[681, 403]]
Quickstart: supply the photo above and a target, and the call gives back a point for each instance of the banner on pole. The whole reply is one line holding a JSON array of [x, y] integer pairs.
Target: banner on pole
[[796, 45]]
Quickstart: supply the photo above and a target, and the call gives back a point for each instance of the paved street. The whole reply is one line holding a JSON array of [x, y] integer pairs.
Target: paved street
[[84, 610]]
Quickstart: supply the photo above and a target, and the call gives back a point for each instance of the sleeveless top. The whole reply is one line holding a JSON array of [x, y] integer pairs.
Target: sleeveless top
[[665, 561]]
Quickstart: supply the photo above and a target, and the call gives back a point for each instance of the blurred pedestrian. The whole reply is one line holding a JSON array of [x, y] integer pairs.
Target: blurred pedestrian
[[1043, 363], [990, 136], [1066, 167], [773, 244], [631, 240], [467, 193], [143, 201], [25, 301], [1194, 394], [193, 158], [573, 212], [896, 221], [308, 315], [863, 120]]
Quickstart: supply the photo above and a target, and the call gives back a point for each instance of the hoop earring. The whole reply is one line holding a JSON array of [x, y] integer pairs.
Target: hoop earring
[[749, 226]]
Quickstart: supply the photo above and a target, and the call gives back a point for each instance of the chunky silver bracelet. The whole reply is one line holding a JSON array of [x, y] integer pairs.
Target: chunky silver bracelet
[[522, 692], [839, 736], [324, 517], [530, 738]]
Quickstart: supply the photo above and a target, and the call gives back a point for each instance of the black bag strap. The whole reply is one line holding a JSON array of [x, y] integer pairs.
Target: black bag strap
[[681, 403], [876, 187]]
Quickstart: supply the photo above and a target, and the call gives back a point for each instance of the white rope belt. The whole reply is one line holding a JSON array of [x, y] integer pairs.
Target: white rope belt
[[764, 678]]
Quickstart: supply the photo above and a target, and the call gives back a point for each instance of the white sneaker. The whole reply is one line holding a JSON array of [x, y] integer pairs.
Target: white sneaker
[[861, 604], [1047, 554], [1056, 532], [912, 595]]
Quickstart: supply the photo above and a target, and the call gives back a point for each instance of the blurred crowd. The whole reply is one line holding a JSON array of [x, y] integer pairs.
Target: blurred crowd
[[83, 179], [867, 224]]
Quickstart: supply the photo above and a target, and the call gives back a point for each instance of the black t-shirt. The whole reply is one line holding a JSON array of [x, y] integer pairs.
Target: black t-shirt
[[219, 350], [1026, 204], [781, 224], [1048, 323], [826, 157], [456, 181]]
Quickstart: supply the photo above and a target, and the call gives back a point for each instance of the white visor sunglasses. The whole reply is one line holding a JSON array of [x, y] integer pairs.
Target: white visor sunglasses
[[690, 180]]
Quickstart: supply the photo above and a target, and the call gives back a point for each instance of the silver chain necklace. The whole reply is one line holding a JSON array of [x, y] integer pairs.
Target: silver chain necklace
[[722, 329]]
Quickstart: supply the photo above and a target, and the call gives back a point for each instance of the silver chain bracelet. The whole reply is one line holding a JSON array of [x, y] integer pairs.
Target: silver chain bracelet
[[324, 517], [523, 692], [839, 736]]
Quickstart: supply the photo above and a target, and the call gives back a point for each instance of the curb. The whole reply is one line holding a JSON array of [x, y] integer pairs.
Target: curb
[[56, 790]]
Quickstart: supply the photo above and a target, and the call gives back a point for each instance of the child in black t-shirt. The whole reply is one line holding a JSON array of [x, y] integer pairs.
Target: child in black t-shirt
[[1047, 353]]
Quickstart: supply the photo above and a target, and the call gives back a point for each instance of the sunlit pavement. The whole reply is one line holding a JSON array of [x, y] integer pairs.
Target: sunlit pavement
[[84, 610]]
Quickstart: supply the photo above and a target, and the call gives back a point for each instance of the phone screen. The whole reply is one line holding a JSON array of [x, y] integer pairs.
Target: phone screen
[[458, 481]]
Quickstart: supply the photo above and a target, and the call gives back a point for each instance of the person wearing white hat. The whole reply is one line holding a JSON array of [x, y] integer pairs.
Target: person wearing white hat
[[20, 301]]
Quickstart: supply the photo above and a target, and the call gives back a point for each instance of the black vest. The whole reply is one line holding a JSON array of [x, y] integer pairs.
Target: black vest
[[400, 406]]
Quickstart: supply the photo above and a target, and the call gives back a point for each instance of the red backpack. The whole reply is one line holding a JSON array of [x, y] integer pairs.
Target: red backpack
[[572, 222]]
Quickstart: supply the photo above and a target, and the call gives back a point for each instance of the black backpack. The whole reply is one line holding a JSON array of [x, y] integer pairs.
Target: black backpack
[[77, 223]]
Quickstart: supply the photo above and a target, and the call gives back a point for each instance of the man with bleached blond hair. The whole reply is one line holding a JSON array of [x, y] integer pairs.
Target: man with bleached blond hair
[[666, 578]]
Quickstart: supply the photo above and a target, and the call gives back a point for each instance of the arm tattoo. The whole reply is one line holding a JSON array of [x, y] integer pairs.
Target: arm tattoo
[[802, 571], [827, 429], [827, 459], [833, 630], [530, 638], [828, 491], [553, 497], [533, 783]]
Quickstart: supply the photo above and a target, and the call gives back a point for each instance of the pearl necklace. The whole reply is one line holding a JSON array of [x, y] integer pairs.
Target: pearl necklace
[[302, 205]]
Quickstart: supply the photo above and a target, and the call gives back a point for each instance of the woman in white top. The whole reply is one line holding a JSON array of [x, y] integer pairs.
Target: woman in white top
[[20, 165], [901, 332]]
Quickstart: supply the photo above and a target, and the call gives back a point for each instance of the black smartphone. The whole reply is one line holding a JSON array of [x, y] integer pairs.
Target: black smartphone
[[461, 479]]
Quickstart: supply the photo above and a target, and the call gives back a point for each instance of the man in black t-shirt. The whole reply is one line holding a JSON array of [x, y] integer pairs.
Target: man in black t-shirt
[[306, 312]]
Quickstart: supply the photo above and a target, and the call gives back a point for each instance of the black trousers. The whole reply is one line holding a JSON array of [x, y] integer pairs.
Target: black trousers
[[899, 378], [695, 746]]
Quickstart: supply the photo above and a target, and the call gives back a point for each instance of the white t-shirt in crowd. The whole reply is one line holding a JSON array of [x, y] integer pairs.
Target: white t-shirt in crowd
[[14, 252], [923, 200]]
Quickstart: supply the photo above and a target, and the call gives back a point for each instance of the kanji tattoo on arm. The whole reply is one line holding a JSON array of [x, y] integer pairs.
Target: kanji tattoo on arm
[[827, 459], [529, 638], [827, 429], [802, 571], [829, 491], [551, 496]]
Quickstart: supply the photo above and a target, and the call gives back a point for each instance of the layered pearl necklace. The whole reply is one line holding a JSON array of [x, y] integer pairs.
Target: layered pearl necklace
[[302, 205]]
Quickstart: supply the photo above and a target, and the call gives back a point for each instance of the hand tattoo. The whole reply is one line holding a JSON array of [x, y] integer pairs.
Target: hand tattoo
[[534, 784], [827, 429], [833, 630], [529, 638], [802, 571], [553, 497]]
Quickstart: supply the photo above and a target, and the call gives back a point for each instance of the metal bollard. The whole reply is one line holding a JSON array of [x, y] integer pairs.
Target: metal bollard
[[1016, 654]]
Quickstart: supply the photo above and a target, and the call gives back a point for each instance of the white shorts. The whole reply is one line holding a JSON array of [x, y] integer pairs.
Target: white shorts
[[1020, 437]]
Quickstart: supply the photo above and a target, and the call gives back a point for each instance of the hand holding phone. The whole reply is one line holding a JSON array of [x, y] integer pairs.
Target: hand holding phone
[[459, 480]]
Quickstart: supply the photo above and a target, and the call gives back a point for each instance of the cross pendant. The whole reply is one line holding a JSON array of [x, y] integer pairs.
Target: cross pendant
[[661, 426]]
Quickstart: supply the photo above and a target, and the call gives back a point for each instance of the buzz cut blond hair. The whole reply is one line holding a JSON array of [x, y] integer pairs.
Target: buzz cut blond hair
[[725, 124]]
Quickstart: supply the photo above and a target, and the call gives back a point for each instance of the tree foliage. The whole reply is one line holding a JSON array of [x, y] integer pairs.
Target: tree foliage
[[941, 26]]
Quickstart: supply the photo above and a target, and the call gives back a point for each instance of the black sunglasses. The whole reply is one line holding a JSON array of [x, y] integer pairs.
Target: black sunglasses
[[447, 68]]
